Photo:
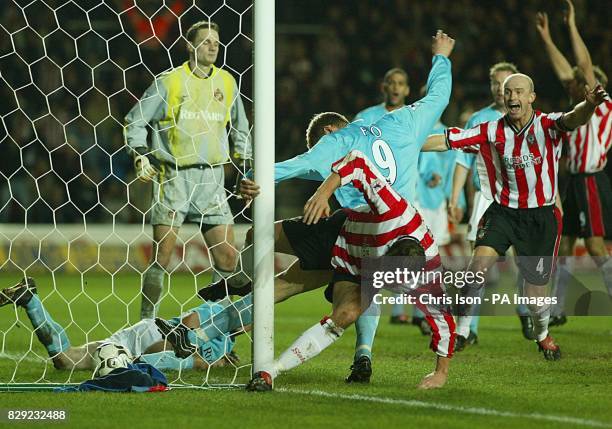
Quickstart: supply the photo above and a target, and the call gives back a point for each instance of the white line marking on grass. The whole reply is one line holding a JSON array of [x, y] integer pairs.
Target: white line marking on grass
[[18, 357], [448, 407]]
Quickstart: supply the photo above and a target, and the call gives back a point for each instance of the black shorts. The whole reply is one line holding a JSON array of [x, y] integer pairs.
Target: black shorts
[[339, 277], [587, 206], [313, 244], [534, 234]]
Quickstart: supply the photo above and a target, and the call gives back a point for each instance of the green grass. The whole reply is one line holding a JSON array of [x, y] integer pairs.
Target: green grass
[[503, 373]]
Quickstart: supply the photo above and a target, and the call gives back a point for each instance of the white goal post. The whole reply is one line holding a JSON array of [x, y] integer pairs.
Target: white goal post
[[263, 217], [74, 216]]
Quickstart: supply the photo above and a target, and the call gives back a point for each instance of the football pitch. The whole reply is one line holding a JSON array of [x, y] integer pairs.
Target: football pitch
[[502, 382]]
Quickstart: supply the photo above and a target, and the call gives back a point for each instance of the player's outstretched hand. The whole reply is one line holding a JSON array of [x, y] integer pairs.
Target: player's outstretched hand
[[442, 44], [596, 95], [316, 207], [569, 14], [145, 172], [248, 189], [542, 25]]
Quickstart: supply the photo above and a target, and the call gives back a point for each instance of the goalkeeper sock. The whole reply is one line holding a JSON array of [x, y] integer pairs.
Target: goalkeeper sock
[[308, 345], [463, 325], [233, 317], [366, 327], [167, 360], [152, 287], [49, 332]]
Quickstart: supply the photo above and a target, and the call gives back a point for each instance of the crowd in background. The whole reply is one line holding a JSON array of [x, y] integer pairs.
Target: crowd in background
[[66, 90]]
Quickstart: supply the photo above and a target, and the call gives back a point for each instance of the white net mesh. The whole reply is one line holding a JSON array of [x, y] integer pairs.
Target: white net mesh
[[73, 215]]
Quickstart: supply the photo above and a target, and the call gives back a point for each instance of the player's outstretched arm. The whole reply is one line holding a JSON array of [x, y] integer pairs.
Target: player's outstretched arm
[[561, 66], [442, 44], [435, 143], [582, 112], [581, 52], [460, 176], [317, 206]]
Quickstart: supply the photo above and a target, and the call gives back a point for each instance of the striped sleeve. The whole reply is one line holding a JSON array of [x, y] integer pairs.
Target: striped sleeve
[[356, 169], [467, 140]]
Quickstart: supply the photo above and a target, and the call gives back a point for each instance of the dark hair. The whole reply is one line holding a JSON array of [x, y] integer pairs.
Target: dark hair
[[193, 30], [316, 127], [411, 249]]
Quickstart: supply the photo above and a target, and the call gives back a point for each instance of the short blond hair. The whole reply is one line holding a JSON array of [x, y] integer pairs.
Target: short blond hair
[[502, 66]]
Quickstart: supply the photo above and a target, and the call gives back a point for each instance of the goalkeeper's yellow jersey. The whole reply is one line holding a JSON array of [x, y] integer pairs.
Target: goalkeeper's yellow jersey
[[188, 116]]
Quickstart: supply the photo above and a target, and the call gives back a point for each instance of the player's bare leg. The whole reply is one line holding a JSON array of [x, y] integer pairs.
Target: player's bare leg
[[346, 309], [541, 315], [438, 378], [76, 357], [164, 239], [220, 242], [483, 258]]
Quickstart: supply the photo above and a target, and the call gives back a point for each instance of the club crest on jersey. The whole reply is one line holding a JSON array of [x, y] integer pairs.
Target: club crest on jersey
[[377, 185], [531, 139], [218, 95]]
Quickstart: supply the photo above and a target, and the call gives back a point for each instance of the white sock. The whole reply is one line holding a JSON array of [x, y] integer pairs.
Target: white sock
[[540, 322], [565, 268], [463, 325], [312, 342]]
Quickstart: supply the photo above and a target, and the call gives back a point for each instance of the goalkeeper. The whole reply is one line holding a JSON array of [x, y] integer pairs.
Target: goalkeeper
[[188, 110], [143, 340]]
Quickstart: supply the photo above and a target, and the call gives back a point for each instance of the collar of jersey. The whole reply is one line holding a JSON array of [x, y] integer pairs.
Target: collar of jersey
[[190, 72], [522, 130]]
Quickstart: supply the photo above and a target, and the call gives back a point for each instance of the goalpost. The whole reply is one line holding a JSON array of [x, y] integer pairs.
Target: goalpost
[[73, 215]]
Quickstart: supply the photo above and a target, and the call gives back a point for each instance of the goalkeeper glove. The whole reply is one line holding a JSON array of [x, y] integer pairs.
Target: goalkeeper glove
[[145, 172]]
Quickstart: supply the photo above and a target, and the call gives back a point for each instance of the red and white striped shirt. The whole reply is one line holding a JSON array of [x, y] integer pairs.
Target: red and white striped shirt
[[517, 168], [588, 145], [370, 230]]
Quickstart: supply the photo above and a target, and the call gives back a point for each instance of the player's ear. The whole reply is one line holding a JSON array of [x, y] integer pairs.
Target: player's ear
[[532, 97], [328, 129], [407, 91]]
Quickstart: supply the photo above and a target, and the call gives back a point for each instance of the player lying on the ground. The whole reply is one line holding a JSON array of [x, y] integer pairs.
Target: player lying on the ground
[[143, 340], [518, 160]]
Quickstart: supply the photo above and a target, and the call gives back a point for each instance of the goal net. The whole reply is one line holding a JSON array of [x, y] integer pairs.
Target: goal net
[[74, 215]]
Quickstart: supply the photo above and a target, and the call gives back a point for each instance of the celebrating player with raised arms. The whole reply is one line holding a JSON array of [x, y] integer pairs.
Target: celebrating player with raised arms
[[587, 194], [518, 158]]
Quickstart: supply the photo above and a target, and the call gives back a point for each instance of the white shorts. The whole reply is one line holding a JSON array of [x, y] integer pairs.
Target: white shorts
[[437, 221], [481, 204], [138, 337]]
